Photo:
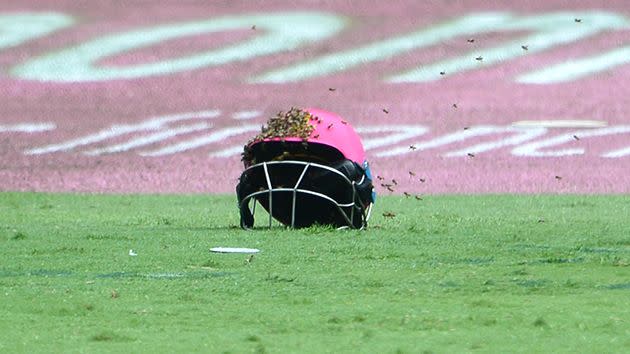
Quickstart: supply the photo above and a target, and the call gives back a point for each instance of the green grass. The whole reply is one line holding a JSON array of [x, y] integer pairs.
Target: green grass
[[447, 274]]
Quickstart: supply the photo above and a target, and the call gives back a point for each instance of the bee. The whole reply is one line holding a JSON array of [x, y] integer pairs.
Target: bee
[[479, 58], [418, 197], [578, 20], [394, 182], [331, 89], [389, 188], [316, 136], [471, 40], [254, 27], [455, 105], [558, 178], [407, 194], [385, 110], [412, 147], [422, 180], [344, 122], [411, 174], [576, 137], [380, 178], [329, 126], [389, 214], [471, 154], [249, 259], [525, 47], [442, 72], [466, 128], [386, 185]]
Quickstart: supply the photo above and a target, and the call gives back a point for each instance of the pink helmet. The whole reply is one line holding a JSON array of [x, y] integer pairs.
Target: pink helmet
[[328, 129], [313, 153]]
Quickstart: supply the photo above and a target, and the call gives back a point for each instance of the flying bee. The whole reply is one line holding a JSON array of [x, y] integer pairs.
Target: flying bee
[[380, 178], [422, 180], [558, 178], [470, 154], [389, 214], [412, 147], [455, 105], [418, 197], [394, 182], [331, 89], [254, 27], [525, 47], [576, 137], [479, 58], [329, 126], [471, 40], [386, 111], [442, 72], [344, 122], [411, 174], [578, 20], [407, 194]]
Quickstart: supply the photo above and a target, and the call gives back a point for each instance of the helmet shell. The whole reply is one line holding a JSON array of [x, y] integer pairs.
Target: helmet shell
[[331, 130]]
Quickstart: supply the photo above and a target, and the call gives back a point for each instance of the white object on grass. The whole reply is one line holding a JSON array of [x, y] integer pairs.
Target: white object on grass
[[132, 253], [234, 250]]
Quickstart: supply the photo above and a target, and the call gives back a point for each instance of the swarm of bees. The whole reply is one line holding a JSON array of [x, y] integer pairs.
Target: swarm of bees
[[294, 123]]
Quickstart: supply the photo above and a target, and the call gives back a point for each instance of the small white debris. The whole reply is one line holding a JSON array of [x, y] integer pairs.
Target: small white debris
[[234, 250], [132, 253]]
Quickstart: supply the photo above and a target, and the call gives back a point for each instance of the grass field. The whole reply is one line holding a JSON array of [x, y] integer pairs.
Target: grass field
[[447, 274]]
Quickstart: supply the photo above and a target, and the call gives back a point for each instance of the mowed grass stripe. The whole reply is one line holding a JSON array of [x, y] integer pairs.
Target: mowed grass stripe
[[501, 273]]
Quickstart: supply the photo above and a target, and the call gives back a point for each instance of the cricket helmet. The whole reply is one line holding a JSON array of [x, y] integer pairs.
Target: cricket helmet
[[307, 166]]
